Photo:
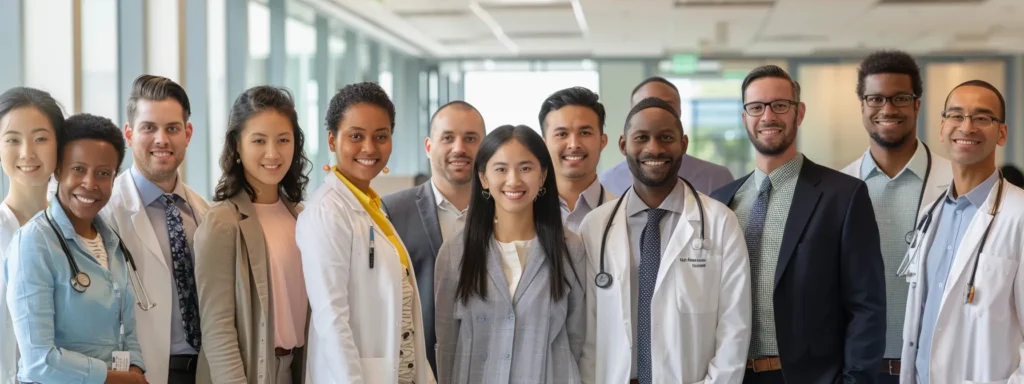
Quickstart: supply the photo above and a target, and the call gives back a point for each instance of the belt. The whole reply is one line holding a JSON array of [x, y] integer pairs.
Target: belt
[[281, 352], [634, 381], [184, 363], [766, 364], [891, 366]]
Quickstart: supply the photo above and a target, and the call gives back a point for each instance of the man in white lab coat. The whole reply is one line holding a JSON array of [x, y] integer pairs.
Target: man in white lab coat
[[659, 310], [157, 215], [902, 175], [966, 300]]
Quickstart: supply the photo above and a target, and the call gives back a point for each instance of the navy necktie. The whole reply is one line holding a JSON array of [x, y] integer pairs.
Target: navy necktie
[[650, 261], [184, 273]]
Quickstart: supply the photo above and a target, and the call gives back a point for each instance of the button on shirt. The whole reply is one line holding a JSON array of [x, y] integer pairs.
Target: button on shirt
[[783, 181], [156, 210], [451, 219], [636, 220], [950, 226], [895, 201], [591, 198]]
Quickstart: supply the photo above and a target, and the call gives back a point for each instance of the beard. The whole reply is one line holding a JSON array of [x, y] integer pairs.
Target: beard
[[788, 138], [890, 144], [651, 180]]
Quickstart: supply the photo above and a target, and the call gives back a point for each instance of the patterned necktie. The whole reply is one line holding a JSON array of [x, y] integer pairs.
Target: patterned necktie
[[184, 273], [761, 295], [650, 261]]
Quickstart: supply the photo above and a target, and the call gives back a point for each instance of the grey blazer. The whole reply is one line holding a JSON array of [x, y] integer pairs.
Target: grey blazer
[[413, 213], [528, 338]]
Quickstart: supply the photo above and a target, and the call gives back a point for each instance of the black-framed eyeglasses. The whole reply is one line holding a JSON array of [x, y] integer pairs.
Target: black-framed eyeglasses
[[877, 101], [980, 120], [757, 108]]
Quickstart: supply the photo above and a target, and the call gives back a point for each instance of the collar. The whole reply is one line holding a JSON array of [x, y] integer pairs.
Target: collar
[[63, 223], [441, 201], [674, 202], [150, 192], [918, 165], [781, 175], [591, 195], [367, 199], [979, 194]]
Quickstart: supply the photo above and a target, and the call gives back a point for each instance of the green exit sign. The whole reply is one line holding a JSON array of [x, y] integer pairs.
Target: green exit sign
[[684, 63]]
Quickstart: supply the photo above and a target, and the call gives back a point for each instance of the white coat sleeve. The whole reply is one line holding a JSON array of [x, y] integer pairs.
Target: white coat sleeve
[[734, 309], [1018, 296], [324, 236], [588, 356]]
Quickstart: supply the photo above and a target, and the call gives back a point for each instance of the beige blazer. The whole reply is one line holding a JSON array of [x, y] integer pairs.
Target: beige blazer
[[233, 282]]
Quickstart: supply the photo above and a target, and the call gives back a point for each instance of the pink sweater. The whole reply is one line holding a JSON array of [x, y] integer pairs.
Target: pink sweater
[[288, 286]]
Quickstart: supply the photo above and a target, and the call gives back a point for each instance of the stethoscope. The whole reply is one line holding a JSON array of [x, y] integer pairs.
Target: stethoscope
[[922, 230], [924, 186], [604, 279], [80, 281]]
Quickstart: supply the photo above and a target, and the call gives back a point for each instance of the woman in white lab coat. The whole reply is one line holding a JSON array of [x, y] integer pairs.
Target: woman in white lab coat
[[30, 127], [365, 325]]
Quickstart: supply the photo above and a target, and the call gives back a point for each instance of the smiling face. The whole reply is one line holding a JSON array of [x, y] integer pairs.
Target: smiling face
[[86, 177], [266, 148], [28, 151], [158, 137], [654, 147], [455, 136], [362, 143], [772, 133], [514, 177], [969, 143], [574, 140], [889, 126]]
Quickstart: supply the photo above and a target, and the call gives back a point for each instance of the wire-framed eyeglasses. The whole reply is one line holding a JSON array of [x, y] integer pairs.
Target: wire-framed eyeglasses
[[757, 108], [978, 120], [878, 101]]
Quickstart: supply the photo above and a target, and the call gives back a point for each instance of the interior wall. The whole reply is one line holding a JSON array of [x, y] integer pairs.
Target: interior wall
[[617, 79], [940, 78], [832, 133]]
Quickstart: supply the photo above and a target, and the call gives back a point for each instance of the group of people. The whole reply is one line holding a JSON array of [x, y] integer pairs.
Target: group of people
[[516, 262]]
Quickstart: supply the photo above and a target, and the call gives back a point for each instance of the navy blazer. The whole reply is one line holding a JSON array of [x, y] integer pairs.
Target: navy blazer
[[829, 296]]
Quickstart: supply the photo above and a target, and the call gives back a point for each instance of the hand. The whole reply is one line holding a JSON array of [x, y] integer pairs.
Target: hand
[[130, 377]]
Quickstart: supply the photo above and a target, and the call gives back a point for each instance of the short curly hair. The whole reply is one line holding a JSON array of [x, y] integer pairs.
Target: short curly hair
[[897, 62], [352, 94], [84, 126]]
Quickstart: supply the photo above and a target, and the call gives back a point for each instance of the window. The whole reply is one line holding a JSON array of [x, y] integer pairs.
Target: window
[[99, 58], [514, 97]]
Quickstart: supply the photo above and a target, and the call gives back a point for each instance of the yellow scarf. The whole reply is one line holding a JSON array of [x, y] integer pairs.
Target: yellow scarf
[[371, 203]]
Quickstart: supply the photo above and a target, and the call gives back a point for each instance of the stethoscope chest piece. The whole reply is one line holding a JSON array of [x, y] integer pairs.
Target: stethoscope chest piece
[[701, 243], [80, 281], [603, 280]]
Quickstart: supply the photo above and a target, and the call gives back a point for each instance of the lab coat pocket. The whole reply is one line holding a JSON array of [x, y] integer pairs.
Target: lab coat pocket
[[378, 371], [696, 286], [993, 286]]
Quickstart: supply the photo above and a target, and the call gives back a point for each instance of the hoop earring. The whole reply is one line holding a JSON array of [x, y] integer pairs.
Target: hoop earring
[[542, 191], [486, 194]]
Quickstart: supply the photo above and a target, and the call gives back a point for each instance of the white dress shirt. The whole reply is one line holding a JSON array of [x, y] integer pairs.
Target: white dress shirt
[[513, 261], [451, 219]]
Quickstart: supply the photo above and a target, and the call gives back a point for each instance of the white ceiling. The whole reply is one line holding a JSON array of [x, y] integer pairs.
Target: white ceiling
[[655, 28]]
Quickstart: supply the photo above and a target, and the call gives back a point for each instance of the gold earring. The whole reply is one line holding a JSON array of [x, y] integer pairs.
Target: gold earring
[[385, 170], [327, 167]]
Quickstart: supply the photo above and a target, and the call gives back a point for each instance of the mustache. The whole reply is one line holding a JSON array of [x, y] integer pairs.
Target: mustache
[[774, 124], [889, 116]]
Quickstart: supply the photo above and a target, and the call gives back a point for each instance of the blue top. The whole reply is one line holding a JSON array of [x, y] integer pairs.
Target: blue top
[[951, 225], [705, 176], [64, 335]]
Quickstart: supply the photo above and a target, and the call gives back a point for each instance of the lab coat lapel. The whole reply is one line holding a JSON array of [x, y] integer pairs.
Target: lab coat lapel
[[140, 219], [681, 236], [534, 262], [618, 262], [495, 270], [967, 251]]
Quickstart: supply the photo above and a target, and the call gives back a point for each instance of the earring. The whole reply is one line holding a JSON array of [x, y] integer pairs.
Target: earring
[[238, 161], [487, 194], [542, 191], [385, 170], [327, 167]]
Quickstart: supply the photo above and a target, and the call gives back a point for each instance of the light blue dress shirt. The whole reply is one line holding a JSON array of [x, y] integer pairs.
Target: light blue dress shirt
[[66, 336], [950, 225], [156, 209]]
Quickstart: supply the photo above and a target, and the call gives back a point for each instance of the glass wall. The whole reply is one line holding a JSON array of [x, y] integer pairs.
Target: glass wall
[[99, 58]]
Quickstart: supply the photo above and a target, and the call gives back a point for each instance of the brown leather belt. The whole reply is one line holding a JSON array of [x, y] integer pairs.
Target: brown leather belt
[[281, 352], [634, 381], [891, 366], [766, 364]]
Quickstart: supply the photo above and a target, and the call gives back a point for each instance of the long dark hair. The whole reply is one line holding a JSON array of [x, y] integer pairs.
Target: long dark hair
[[255, 100], [547, 218]]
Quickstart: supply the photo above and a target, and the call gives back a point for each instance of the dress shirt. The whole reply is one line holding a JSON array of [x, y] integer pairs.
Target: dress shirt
[[513, 262], [950, 224], [895, 201], [151, 195], [591, 198], [636, 220], [451, 219], [783, 181], [66, 336]]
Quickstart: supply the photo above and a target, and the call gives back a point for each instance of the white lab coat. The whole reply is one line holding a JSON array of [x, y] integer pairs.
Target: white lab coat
[[980, 342], [354, 332], [126, 213], [939, 177], [701, 309]]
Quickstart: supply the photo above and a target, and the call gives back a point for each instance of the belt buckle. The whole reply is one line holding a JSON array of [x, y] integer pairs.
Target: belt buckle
[[891, 368], [767, 360]]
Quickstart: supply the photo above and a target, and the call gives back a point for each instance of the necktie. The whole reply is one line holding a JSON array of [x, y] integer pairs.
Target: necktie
[[184, 273], [761, 295], [650, 260]]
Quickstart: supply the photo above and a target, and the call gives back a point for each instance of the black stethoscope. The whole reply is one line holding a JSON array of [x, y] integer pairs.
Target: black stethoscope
[[924, 186], [604, 279], [922, 230]]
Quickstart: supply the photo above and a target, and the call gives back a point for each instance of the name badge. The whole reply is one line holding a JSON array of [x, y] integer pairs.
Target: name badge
[[695, 262], [122, 361]]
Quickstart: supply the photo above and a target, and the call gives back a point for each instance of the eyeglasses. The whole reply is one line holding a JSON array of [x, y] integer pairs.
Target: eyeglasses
[[756, 108], [978, 121], [877, 101]]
